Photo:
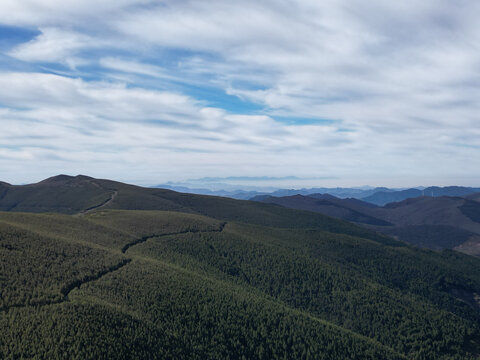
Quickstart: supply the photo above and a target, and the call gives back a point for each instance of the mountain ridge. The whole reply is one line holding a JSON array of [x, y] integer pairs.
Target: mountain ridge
[[383, 198], [79, 194], [376, 195]]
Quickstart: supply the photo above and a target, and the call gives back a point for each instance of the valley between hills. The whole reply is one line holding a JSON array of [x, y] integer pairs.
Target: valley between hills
[[97, 269], [437, 223]]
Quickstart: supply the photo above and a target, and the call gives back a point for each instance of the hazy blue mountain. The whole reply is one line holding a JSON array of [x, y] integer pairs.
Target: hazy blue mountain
[[248, 192], [337, 192], [353, 203], [234, 194], [381, 198]]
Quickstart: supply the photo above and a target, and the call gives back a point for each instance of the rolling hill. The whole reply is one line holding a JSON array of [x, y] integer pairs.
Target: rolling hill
[[99, 269], [346, 209], [445, 222], [430, 222]]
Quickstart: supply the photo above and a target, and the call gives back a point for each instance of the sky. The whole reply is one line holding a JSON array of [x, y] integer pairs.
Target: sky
[[321, 93]]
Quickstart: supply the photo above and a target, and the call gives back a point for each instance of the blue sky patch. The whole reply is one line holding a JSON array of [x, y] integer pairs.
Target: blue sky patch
[[11, 36]]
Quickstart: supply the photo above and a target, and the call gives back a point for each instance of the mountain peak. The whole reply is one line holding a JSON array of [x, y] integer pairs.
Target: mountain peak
[[324, 196], [62, 179]]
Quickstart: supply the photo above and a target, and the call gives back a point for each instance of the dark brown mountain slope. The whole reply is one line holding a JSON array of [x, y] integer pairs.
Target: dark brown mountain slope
[[430, 222], [346, 209], [474, 197]]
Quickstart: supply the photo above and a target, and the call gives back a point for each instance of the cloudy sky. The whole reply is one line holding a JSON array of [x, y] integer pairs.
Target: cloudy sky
[[334, 92]]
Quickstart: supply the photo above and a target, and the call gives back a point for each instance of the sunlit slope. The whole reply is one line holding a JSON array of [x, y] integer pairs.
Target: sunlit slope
[[159, 284]]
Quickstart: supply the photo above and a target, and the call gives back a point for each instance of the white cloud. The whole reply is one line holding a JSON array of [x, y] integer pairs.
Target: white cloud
[[317, 56], [133, 67], [61, 12], [98, 127], [400, 79], [103, 122], [54, 45]]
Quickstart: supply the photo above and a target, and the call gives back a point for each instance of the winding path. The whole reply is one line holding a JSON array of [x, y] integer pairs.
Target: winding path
[[67, 289], [99, 206], [145, 238]]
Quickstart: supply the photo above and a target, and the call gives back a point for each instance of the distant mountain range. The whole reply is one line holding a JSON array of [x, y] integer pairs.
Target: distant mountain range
[[234, 194], [384, 197], [242, 194], [379, 196]]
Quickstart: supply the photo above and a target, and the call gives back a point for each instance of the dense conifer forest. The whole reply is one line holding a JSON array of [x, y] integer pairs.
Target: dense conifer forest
[[215, 278]]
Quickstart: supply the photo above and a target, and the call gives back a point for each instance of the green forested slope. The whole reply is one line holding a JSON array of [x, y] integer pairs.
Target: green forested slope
[[249, 283], [316, 274], [37, 270]]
